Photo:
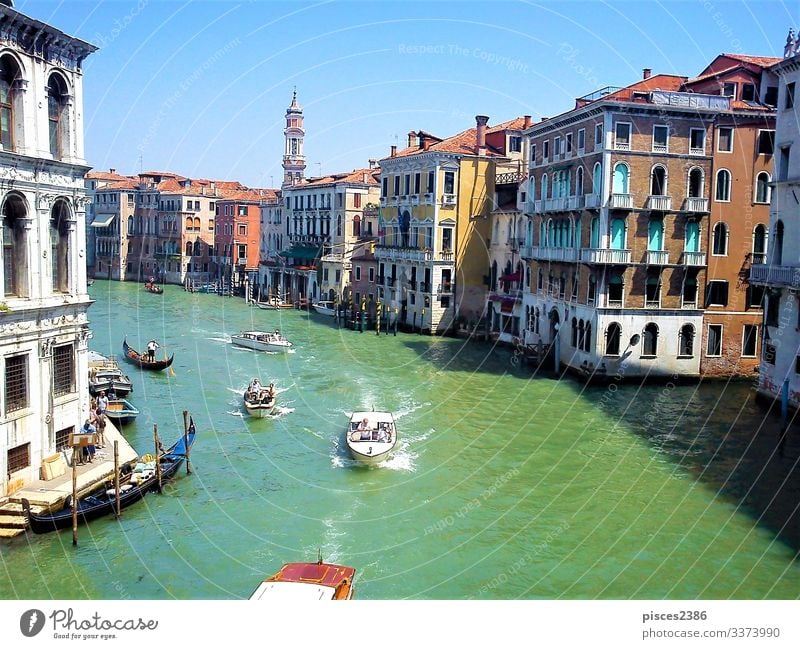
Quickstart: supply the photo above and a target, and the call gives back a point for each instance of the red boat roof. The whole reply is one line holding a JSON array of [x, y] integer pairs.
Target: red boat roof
[[324, 574]]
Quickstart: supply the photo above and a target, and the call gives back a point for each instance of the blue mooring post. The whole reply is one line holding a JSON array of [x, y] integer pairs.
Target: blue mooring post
[[785, 403]]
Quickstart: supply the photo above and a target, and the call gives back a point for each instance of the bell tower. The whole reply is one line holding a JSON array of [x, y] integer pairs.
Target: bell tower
[[294, 161]]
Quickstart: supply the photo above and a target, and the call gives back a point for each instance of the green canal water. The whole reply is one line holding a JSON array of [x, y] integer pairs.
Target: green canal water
[[506, 484]]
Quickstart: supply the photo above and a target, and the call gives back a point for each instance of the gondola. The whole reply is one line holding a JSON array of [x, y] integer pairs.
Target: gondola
[[101, 502], [138, 359], [153, 288]]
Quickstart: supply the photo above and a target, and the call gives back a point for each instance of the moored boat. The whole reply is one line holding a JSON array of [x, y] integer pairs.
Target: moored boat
[[258, 400], [262, 341], [105, 375], [311, 581], [142, 361], [121, 411], [371, 436], [136, 483], [325, 307], [274, 303]]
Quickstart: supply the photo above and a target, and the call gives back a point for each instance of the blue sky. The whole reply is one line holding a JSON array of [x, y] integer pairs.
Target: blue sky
[[201, 87]]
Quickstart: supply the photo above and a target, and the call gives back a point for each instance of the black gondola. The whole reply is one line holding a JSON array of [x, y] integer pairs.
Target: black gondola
[[153, 288], [101, 502], [138, 359]]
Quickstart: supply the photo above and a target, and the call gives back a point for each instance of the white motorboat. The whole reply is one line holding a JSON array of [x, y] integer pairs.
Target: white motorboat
[[371, 436], [262, 341], [105, 375], [258, 400], [325, 307]]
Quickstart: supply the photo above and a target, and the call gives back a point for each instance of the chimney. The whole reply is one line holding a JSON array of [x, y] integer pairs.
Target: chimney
[[372, 163], [112, 171], [480, 133], [394, 151], [527, 122], [366, 177], [412, 139], [646, 72]]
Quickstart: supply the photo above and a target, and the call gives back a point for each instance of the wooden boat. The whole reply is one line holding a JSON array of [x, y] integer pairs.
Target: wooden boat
[[105, 374], [121, 411], [262, 341], [274, 303], [153, 288], [101, 502], [138, 359], [259, 402], [312, 581], [371, 436], [325, 307]]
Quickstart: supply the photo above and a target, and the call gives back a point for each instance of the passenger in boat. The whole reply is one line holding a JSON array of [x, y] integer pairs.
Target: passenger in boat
[[271, 391], [152, 346], [112, 395]]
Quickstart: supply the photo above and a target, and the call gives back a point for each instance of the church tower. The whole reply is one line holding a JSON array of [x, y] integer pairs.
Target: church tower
[[294, 162]]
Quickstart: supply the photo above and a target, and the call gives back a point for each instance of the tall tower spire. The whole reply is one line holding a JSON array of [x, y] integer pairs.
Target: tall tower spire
[[294, 161]]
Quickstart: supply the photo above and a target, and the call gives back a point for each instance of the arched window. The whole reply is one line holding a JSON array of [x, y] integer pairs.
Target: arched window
[[536, 320], [581, 334], [692, 243], [777, 252], [594, 241], [540, 279], [543, 193], [613, 337], [189, 223], [720, 239], [493, 278], [658, 181], [15, 260], [542, 233], [587, 339], [579, 182], [339, 227], [528, 277], [615, 290], [197, 248], [652, 290], [57, 114], [620, 183], [591, 295], [597, 178], [188, 248], [723, 185], [59, 247], [759, 244], [197, 224], [496, 236], [551, 233], [695, 182], [762, 188], [686, 341], [529, 233], [618, 234], [10, 102], [532, 189], [655, 234], [575, 332], [650, 339]]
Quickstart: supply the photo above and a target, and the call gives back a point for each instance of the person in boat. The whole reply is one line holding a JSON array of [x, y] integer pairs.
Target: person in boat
[[277, 334], [152, 346], [271, 391], [255, 387], [112, 395]]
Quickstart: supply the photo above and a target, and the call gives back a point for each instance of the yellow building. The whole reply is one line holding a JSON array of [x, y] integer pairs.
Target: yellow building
[[436, 196]]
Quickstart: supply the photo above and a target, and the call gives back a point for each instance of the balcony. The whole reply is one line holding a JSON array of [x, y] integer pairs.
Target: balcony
[[697, 151], [605, 256], [445, 255], [621, 202], [384, 201], [446, 288], [429, 199], [553, 254], [414, 199], [538, 206], [592, 201], [695, 204], [788, 276], [657, 257], [694, 258], [659, 203], [575, 202], [402, 254], [555, 204], [449, 199]]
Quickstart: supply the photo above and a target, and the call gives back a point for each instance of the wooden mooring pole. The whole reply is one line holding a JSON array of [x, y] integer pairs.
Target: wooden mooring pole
[[158, 456], [116, 478], [186, 441], [75, 451]]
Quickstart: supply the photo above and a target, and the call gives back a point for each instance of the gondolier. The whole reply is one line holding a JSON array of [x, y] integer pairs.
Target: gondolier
[[152, 346]]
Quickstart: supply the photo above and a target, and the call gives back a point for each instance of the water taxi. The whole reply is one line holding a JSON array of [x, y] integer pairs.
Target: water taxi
[[325, 307], [371, 436], [259, 401], [309, 581], [262, 341]]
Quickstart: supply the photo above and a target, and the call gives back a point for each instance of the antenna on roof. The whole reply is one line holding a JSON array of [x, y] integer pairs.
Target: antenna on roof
[[140, 163], [319, 164]]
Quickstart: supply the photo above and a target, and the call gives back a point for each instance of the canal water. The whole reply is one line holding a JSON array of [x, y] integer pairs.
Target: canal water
[[505, 484]]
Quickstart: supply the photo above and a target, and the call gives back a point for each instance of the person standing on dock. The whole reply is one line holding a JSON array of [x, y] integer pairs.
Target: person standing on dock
[[102, 402], [100, 423], [88, 450]]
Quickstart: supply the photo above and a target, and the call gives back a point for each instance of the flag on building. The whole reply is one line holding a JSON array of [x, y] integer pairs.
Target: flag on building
[[381, 224]]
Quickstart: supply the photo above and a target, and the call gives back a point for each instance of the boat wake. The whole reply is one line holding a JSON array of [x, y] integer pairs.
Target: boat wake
[[220, 339]]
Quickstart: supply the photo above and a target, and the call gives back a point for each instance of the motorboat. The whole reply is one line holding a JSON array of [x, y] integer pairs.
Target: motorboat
[[310, 581], [325, 307], [273, 304], [121, 411], [262, 341], [259, 401], [106, 375], [371, 436]]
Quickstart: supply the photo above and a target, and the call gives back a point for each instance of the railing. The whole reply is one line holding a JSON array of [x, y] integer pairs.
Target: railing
[[697, 151], [659, 148], [415, 199], [758, 257], [555, 204], [575, 202], [398, 253], [652, 304], [605, 256], [659, 203], [621, 201], [775, 275], [615, 304], [449, 199], [526, 252], [429, 199], [657, 257], [592, 201], [694, 258], [622, 146], [553, 254], [445, 256], [695, 204], [689, 304]]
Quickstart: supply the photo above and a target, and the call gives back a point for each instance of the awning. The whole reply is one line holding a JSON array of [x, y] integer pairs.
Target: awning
[[301, 252], [513, 277], [104, 223]]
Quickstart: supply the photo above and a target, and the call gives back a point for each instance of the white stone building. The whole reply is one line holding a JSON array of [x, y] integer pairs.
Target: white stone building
[[43, 312]]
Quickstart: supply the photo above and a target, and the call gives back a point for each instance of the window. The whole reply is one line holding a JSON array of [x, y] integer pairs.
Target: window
[[789, 103], [697, 141], [15, 277], [581, 140], [19, 458], [371, 273], [725, 139], [723, 193], [431, 182], [16, 383], [56, 105], [449, 182], [63, 370], [598, 136], [384, 187], [650, 339], [556, 147], [749, 341], [417, 182], [59, 247], [242, 209], [658, 181], [717, 293], [613, 337], [242, 230], [568, 143], [63, 438], [515, 143], [766, 143], [762, 187], [771, 96], [406, 184], [587, 338], [660, 139], [696, 183], [720, 248], [714, 342], [759, 244], [619, 183], [769, 354], [615, 290], [653, 292], [9, 98], [729, 90], [396, 186], [545, 150], [755, 297], [748, 92], [783, 164], [686, 341], [357, 199], [579, 182], [622, 136], [358, 273]]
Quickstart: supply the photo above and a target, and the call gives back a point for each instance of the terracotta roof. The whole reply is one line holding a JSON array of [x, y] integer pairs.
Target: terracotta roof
[[713, 75], [516, 124], [355, 176], [761, 61], [463, 143], [127, 184], [242, 195], [106, 175], [669, 82]]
